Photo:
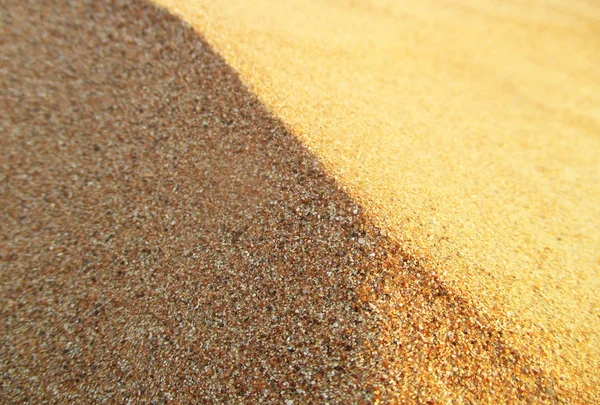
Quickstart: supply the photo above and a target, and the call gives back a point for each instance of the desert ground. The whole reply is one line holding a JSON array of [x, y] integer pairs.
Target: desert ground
[[300, 201]]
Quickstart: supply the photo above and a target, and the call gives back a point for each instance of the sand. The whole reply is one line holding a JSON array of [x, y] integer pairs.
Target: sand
[[468, 130], [166, 238]]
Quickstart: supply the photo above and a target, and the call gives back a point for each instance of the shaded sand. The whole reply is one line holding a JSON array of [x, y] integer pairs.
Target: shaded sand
[[469, 129], [163, 237]]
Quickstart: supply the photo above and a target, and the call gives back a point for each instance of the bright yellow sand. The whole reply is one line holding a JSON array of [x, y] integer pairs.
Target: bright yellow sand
[[469, 129]]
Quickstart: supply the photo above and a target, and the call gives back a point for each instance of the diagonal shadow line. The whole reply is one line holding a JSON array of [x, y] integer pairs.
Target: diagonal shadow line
[[164, 237]]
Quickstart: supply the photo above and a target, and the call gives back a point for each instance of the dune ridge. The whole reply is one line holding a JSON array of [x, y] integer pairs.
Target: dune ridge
[[467, 130], [165, 238]]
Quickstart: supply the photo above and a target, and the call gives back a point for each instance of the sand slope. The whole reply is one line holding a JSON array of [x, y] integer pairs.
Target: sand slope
[[164, 239], [469, 130]]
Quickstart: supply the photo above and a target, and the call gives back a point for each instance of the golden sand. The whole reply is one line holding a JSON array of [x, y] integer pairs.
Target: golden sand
[[469, 131], [165, 238]]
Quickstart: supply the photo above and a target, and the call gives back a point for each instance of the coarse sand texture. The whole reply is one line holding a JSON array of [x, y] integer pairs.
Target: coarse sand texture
[[298, 202]]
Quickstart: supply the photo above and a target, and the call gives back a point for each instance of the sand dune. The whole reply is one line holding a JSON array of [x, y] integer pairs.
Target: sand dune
[[166, 237], [469, 131]]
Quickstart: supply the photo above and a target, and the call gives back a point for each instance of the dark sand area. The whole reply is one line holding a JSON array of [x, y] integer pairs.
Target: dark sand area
[[163, 237]]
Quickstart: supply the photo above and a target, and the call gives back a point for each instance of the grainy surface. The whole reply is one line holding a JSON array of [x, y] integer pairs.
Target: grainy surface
[[163, 237], [468, 129]]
